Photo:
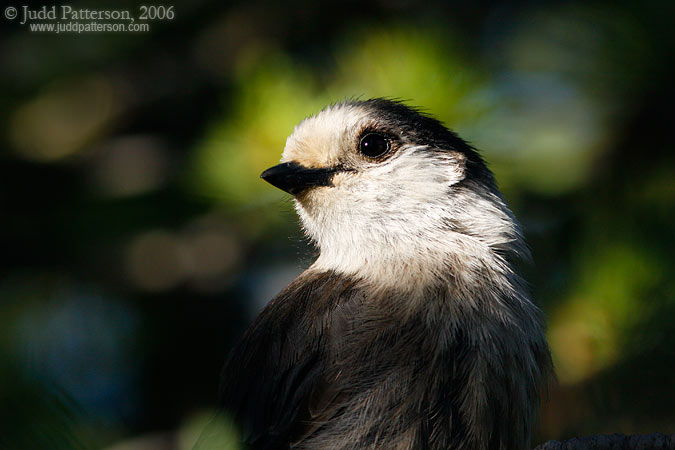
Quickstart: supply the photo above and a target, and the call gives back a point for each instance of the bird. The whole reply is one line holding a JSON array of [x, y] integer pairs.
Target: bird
[[412, 328]]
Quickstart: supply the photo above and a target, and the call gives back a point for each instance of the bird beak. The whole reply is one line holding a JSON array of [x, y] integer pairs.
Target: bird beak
[[294, 178]]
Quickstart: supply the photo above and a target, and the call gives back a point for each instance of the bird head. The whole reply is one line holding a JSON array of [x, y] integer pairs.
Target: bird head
[[389, 193]]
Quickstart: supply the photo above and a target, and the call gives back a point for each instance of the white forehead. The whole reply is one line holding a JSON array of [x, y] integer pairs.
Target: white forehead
[[318, 140]]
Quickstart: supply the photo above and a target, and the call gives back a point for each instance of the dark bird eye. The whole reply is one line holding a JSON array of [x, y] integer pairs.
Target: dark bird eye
[[373, 145]]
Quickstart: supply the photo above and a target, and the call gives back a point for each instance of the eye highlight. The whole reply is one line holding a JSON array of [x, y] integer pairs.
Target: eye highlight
[[373, 145]]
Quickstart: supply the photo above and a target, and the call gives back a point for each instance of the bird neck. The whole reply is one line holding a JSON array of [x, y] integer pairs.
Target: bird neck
[[468, 245]]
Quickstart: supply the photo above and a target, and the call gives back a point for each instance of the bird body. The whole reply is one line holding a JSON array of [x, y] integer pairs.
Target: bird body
[[411, 330]]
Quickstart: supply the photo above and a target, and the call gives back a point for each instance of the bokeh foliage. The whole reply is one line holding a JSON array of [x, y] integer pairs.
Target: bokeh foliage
[[139, 241]]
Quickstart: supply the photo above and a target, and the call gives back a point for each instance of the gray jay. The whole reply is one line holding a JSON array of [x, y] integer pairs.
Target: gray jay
[[411, 330]]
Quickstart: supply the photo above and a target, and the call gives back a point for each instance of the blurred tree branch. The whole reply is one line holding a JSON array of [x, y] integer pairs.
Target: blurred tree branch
[[654, 441]]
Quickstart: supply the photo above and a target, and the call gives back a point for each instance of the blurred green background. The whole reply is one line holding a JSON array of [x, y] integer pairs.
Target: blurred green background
[[137, 240]]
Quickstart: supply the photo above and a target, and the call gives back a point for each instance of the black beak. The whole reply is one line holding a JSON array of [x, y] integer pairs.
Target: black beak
[[294, 178]]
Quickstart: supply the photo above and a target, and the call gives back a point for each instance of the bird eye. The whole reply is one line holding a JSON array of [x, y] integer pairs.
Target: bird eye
[[373, 145]]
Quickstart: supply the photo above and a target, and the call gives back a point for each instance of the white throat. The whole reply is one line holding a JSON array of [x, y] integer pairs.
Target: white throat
[[411, 239]]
